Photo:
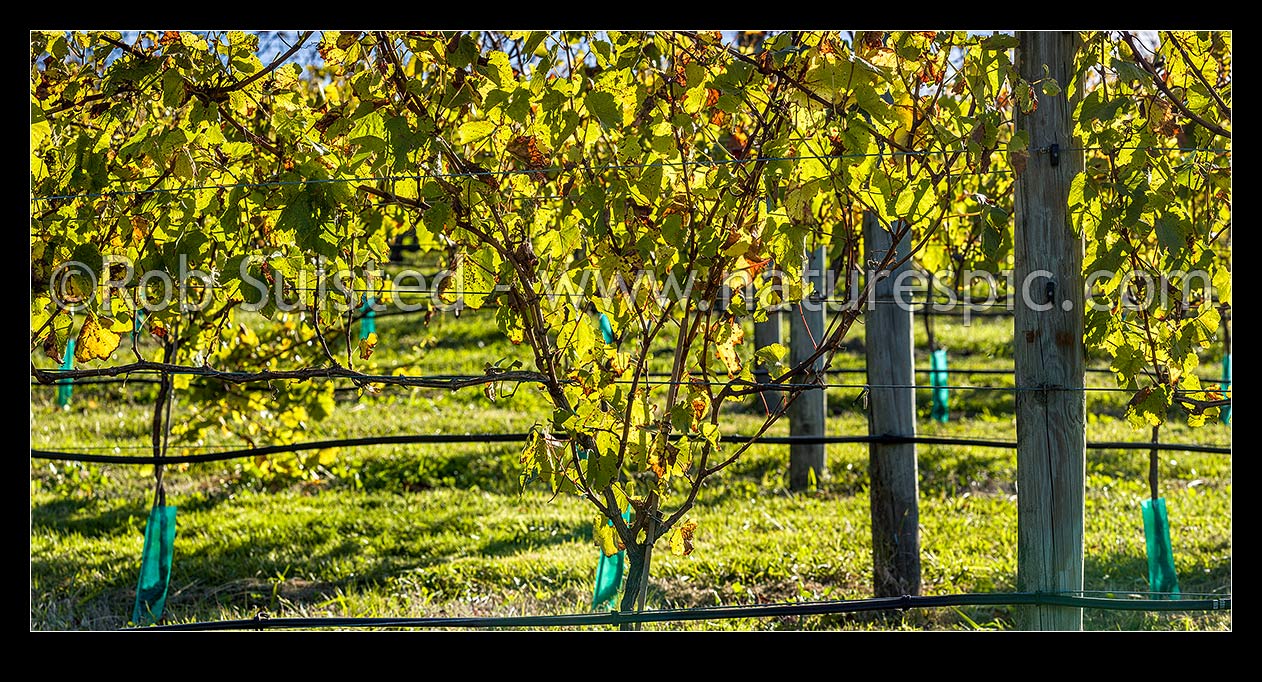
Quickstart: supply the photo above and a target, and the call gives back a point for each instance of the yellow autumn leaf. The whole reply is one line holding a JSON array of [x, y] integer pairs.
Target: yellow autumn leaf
[[606, 538], [326, 456], [367, 345], [95, 341], [904, 114], [681, 539], [728, 335]]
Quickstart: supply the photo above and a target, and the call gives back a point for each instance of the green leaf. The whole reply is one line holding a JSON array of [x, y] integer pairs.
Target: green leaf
[[1077, 189], [1128, 70], [518, 108], [601, 469], [498, 70], [466, 52], [1020, 142], [729, 103], [172, 88], [1149, 407], [438, 218], [533, 459], [1127, 361], [403, 141], [88, 255], [1171, 233], [1000, 41], [1094, 109], [914, 201], [184, 166], [997, 217], [510, 324], [605, 108], [694, 99], [771, 355], [58, 47], [673, 229], [710, 432], [474, 131], [58, 336], [534, 41], [681, 417], [1222, 284], [300, 216], [40, 128]]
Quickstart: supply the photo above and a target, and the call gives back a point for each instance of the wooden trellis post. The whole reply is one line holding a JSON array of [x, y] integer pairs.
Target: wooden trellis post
[[1048, 343], [894, 489], [806, 413]]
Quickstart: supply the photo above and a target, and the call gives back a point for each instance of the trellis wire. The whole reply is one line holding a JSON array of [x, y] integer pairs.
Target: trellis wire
[[835, 370], [455, 378], [1067, 599], [437, 438]]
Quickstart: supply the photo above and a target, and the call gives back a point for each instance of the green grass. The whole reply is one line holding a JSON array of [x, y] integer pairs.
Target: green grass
[[442, 530]]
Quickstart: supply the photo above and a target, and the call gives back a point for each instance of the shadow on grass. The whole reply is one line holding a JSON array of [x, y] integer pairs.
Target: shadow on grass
[[306, 562], [275, 571], [506, 547], [1124, 574], [495, 470], [1128, 573], [84, 516]]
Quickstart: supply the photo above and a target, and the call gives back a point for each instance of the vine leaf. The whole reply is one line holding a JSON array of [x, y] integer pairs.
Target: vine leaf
[[95, 341], [681, 538], [55, 342], [367, 345], [606, 539]]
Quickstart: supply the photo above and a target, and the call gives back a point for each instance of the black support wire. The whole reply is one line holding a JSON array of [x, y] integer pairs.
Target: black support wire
[[787, 387], [902, 603], [459, 380], [653, 378], [413, 439], [102, 380]]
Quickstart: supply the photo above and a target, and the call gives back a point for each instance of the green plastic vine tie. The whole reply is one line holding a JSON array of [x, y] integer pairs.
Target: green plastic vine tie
[[135, 328], [938, 379], [1226, 385], [368, 325], [1162, 579], [1161, 575], [605, 329], [65, 387], [155, 566], [609, 569], [609, 572]]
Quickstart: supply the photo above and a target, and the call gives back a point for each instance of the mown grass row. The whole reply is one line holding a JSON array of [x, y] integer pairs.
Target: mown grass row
[[431, 530]]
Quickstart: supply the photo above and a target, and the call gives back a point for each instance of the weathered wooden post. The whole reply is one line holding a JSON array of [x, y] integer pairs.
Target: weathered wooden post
[[1048, 344], [806, 413], [894, 488]]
